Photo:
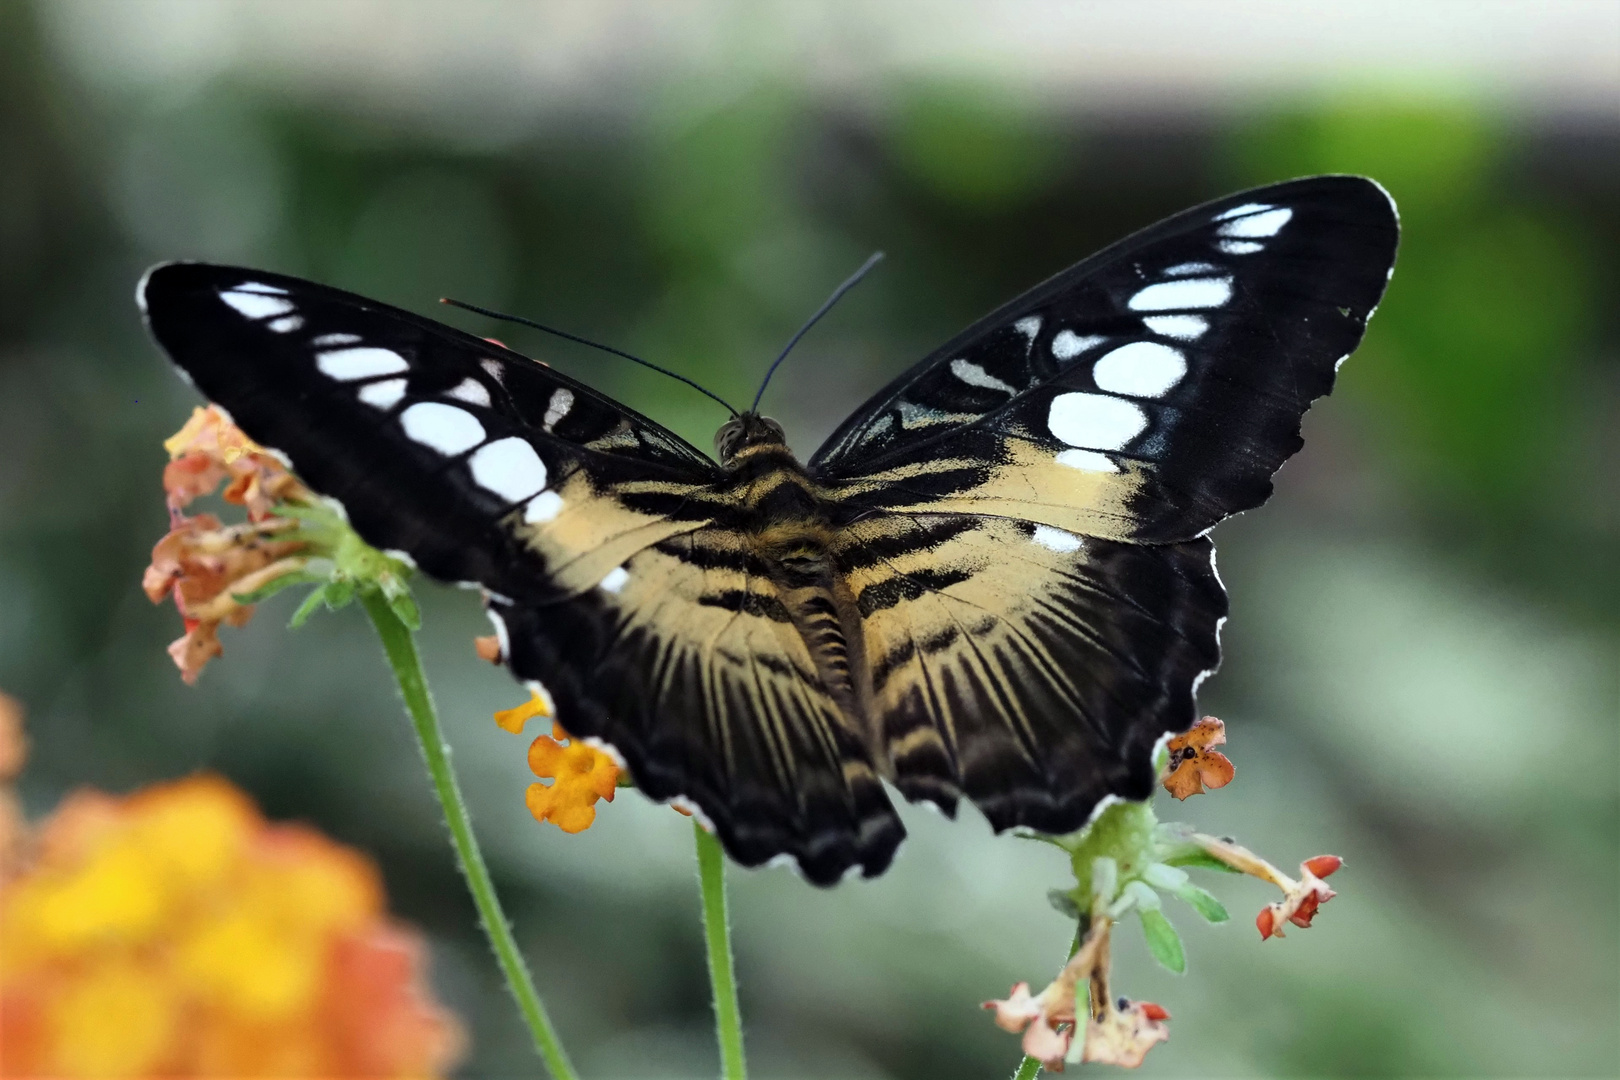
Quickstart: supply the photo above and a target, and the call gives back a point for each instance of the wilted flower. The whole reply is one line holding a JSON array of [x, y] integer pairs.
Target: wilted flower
[[579, 775], [1194, 766], [1301, 898], [207, 566], [175, 932], [210, 449], [1116, 1032]]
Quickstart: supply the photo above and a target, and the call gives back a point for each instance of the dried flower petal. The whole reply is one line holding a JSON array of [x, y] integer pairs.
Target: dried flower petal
[[204, 566], [1123, 1036], [580, 775], [210, 449], [1194, 766], [1301, 899]]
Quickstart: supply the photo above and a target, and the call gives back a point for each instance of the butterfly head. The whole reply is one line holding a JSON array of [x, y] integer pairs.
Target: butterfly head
[[746, 430]]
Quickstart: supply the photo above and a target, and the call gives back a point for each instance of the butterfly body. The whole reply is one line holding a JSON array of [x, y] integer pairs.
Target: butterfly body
[[993, 582]]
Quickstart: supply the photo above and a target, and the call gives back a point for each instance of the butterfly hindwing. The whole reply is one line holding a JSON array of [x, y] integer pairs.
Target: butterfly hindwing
[[1145, 393], [1026, 667]]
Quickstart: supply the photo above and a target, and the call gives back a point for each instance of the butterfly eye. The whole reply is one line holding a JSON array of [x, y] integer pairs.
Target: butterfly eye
[[725, 440]]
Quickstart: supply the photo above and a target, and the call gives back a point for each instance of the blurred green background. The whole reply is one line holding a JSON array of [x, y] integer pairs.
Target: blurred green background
[[1421, 667]]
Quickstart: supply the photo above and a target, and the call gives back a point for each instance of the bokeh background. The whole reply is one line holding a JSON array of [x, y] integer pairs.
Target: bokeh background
[[1421, 667]]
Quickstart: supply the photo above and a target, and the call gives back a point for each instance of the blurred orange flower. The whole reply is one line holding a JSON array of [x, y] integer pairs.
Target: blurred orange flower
[[175, 932]]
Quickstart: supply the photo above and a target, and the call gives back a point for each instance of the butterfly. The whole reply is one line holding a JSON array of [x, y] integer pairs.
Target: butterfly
[[994, 581]]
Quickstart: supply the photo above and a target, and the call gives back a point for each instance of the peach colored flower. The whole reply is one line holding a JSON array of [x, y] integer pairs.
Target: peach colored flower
[[203, 564], [1194, 765], [210, 449], [176, 933], [1115, 1032], [579, 774]]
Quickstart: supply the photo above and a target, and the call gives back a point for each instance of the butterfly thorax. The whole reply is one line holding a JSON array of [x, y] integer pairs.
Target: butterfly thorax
[[789, 530]]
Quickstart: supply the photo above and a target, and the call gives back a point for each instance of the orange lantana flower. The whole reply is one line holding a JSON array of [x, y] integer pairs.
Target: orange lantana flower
[[579, 774], [1194, 764], [175, 932]]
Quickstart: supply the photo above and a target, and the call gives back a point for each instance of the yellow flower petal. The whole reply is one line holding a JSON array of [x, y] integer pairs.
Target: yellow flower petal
[[514, 719]]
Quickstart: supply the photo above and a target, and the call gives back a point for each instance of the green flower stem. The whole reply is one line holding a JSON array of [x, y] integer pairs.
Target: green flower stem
[[407, 664], [717, 931]]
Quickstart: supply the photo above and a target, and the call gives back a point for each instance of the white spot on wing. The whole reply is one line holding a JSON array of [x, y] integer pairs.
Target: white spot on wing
[[1095, 421], [542, 508], [615, 580], [1067, 344], [326, 340], [914, 415], [1140, 369], [1185, 327], [287, 324], [508, 467], [1240, 247], [1255, 226], [1240, 211], [440, 427], [1186, 268], [255, 305], [494, 370], [471, 391], [261, 287], [363, 363], [1056, 539], [1029, 326], [1087, 461], [384, 394], [1204, 292], [974, 375], [562, 399]]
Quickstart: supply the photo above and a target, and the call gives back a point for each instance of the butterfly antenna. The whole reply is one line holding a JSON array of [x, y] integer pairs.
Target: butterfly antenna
[[838, 294], [587, 341]]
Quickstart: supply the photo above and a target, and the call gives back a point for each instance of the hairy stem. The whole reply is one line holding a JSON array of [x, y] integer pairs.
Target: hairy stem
[[406, 663], [717, 932]]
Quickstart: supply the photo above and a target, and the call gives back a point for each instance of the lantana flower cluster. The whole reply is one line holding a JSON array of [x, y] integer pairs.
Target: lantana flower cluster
[[1125, 861], [174, 932]]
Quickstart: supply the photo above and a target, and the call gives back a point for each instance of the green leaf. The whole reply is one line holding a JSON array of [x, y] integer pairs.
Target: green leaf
[[339, 594], [1199, 858], [1163, 941], [1063, 903], [1204, 902], [405, 609], [270, 588], [307, 608]]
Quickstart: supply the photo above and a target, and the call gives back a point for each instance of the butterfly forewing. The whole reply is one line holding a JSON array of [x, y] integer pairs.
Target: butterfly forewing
[[1147, 392]]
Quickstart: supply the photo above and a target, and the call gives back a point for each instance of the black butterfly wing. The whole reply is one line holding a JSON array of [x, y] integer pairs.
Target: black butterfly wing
[[1145, 393], [1026, 506], [604, 542]]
